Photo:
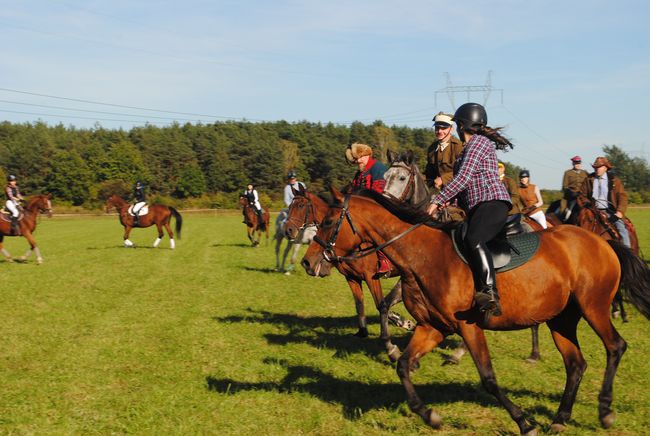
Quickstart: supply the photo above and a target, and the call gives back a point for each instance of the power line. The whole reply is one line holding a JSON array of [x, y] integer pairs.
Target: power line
[[79, 117]]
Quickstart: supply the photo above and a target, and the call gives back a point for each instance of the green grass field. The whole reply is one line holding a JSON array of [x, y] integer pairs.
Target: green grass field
[[208, 339]]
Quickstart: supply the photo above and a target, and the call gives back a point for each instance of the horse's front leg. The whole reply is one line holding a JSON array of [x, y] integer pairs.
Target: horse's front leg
[[32, 247], [477, 345], [4, 251], [357, 293], [294, 256], [425, 338], [378, 296], [127, 232], [285, 254]]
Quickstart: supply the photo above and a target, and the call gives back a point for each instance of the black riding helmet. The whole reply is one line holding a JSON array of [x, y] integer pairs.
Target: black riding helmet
[[470, 115], [11, 178], [291, 175], [524, 173]]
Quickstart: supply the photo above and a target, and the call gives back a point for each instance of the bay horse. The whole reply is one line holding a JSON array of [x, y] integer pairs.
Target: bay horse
[[158, 215], [253, 223], [303, 236], [406, 184], [308, 209], [573, 275], [26, 225]]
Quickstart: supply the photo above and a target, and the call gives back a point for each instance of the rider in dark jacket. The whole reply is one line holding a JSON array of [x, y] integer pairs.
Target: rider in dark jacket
[[140, 201]]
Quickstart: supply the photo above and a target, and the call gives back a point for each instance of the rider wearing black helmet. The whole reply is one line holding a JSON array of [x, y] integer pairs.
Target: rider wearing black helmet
[[14, 198], [292, 182], [484, 198]]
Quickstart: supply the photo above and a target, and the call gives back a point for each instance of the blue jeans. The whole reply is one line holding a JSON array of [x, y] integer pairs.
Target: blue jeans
[[620, 228]]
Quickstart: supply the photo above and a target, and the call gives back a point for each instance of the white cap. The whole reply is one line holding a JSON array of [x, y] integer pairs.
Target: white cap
[[442, 117]]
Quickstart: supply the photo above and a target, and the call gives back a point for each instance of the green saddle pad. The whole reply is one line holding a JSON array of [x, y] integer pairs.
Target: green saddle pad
[[523, 246]]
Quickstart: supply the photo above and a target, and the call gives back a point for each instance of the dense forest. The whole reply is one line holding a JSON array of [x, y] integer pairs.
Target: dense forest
[[207, 165]]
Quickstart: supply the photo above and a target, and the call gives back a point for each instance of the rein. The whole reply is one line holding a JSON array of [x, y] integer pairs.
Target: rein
[[329, 253]]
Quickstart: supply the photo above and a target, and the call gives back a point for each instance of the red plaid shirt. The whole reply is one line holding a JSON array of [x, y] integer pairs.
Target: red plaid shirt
[[476, 177]]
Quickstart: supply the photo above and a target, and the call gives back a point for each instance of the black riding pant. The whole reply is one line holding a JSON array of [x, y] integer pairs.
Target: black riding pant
[[485, 221]]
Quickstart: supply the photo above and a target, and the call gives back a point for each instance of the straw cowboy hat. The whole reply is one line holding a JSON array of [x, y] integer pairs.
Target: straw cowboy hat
[[357, 150], [602, 161]]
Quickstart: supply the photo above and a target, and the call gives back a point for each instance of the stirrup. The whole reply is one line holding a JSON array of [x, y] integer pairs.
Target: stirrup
[[488, 302]]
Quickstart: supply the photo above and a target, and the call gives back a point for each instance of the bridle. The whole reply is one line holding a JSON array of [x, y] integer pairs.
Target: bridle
[[329, 253], [410, 184], [305, 221]]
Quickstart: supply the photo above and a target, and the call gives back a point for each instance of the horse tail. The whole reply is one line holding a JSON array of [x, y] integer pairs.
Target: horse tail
[[635, 277], [179, 221]]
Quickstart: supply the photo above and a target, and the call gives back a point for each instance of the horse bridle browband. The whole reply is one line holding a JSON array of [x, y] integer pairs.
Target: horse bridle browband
[[329, 253]]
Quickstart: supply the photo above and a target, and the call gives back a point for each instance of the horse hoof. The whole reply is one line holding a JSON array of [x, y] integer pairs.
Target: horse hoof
[[287, 273], [557, 428], [433, 419], [616, 314], [532, 359], [608, 420], [362, 333], [39, 261], [10, 260], [531, 432], [450, 360]]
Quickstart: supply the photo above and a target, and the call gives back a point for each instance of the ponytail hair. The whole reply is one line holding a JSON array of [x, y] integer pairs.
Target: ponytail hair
[[493, 134]]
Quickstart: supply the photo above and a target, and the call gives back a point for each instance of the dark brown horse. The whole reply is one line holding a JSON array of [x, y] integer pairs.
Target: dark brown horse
[[158, 215], [26, 225], [573, 275], [309, 209], [253, 222]]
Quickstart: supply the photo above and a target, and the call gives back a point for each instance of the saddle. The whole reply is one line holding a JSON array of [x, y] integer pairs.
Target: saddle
[[142, 212], [511, 248], [5, 215]]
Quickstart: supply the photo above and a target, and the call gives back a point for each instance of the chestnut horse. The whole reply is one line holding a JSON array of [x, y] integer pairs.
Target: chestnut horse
[[308, 209], [253, 223], [573, 275], [27, 225], [158, 214], [406, 184]]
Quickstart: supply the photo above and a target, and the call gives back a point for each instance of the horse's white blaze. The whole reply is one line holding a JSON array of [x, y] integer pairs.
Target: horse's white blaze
[[156, 242], [172, 244]]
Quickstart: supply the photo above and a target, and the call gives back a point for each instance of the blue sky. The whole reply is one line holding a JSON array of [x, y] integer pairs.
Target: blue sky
[[575, 75]]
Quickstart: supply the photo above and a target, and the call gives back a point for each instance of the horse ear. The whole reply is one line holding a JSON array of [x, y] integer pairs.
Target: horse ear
[[336, 194], [391, 155], [409, 157]]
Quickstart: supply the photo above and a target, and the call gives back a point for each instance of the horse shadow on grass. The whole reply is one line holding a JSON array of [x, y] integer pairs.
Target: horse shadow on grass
[[265, 270], [321, 332], [358, 397], [236, 244]]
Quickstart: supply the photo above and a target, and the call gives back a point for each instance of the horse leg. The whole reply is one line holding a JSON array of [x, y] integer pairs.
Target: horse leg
[[160, 235], [563, 328], [477, 346], [32, 246], [456, 355], [170, 232], [294, 257], [534, 354], [425, 338], [357, 293], [127, 232], [4, 251], [285, 254], [394, 297], [278, 244], [380, 303], [615, 346]]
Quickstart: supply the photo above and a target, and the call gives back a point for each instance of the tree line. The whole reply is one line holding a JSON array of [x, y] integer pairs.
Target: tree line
[[210, 164]]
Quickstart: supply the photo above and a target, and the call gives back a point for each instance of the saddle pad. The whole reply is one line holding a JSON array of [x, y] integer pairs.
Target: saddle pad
[[523, 246], [141, 212], [5, 215]]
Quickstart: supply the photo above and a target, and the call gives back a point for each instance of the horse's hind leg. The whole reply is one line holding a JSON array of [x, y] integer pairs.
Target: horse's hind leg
[[615, 346], [425, 338], [4, 251], [170, 232], [534, 353], [160, 235], [563, 328], [477, 345]]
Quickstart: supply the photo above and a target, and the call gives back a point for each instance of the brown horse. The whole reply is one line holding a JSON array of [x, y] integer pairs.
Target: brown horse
[[309, 209], [406, 184], [253, 223], [573, 275], [158, 214], [26, 225]]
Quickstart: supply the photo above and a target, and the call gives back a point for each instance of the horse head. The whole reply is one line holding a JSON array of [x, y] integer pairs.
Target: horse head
[[114, 201], [41, 203], [302, 213], [404, 182]]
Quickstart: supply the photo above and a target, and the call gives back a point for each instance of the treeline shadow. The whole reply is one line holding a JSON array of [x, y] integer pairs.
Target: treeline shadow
[[356, 396]]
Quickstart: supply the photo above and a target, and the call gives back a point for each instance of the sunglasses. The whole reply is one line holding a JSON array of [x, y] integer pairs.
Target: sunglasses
[[442, 126]]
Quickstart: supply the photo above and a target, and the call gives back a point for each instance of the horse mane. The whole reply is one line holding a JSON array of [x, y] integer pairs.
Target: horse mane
[[403, 211]]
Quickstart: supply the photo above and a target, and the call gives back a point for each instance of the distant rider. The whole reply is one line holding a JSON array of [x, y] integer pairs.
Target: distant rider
[[14, 197], [140, 202], [254, 201]]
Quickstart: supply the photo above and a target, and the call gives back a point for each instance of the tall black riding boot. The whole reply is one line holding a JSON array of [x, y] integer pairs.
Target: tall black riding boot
[[487, 297], [14, 225], [136, 221]]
